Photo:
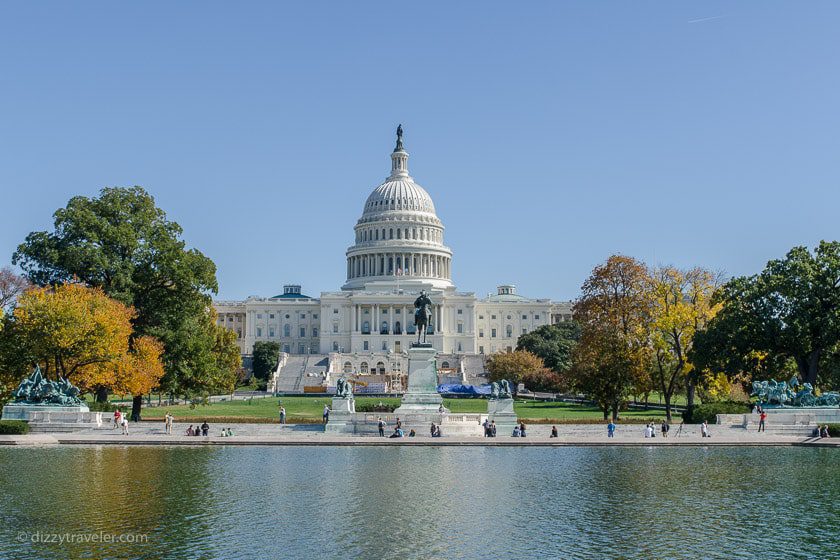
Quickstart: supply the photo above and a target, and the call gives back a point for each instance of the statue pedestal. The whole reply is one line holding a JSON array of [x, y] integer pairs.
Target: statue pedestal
[[501, 412], [342, 416], [46, 412], [421, 397]]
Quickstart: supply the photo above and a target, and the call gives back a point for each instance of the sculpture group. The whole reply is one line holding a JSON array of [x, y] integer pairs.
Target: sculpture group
[[36, 389], [792, 393], [500, 390]]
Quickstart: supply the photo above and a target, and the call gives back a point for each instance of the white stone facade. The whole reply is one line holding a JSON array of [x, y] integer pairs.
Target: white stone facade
[[398, 251]]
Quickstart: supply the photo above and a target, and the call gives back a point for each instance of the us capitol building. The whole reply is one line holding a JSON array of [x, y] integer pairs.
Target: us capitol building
[[367, 326]]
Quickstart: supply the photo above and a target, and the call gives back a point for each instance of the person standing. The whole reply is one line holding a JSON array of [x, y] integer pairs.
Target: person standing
[[168, 423], [326, 414], [704, 429], [522, 429], [762, 419], [124, 424], [282, 414], [205, 428], [665, 428], [493, 428], [611, 429], [117, 416], [381, 427]]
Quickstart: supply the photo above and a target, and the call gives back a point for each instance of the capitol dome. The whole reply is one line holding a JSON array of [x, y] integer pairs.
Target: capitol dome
[[399, 237]]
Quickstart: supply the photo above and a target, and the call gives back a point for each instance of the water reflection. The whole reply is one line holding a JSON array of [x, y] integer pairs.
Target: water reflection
[[402, 502]]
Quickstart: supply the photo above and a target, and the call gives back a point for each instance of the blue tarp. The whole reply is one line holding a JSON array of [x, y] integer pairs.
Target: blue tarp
[[465, 390]]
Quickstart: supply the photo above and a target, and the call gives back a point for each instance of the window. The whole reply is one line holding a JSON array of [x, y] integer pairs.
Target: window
[[238, 319], [287, 316], [335, 311], [460, 328], [380, 368], [238, 333], [335, 327], [303, 315], [314, 315], [524, 330], [481, 349], [397, 311], [536, 315], [481, 316], [314, 331], [460, 312], [444, 365], [335, 346], [508, 317], [287, 331], [365, 345], [259, 315], [509, 349], [366, 327], [363, 367], [271, 332], [383, 329], [259, 331], [492, 316], [303, 332], [348, 367], [286, 349], [397, 327], [271, 316], [480, 333], [459, 347], [301, 349], [524, 317], [385, 345], [509, 331], [493, 333]]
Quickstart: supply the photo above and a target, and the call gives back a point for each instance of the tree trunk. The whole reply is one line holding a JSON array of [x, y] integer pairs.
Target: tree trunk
[[615, 410], [689, 394], [606, 410], [101, 394], [667, 407], [136, 404]]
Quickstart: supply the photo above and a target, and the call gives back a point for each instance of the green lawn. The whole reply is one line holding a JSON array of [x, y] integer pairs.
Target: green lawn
[[311, 408]]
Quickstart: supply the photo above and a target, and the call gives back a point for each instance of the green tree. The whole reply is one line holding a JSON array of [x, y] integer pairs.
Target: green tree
[[266, 356], [123, 243], [553, 344], [789, 311]]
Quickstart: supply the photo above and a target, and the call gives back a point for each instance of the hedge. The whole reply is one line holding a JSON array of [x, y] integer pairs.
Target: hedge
[[709, 411], [13, 427]]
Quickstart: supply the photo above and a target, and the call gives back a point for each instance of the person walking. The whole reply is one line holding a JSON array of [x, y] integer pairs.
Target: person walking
[[326, 414], [124, 424], [611, 429], [493, 428], [168, 423], [665, 428], [117, 416], [282, 414], [382, 427], [762, 420], [486, 427], [205, 428], [704, 429]]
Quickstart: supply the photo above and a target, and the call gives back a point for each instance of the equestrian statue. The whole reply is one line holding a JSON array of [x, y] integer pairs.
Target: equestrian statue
[[422, 315]]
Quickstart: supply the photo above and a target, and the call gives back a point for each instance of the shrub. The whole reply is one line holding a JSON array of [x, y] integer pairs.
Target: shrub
[[709, 411], [378, 407], [834, 430], [103, 406], [13, 427]]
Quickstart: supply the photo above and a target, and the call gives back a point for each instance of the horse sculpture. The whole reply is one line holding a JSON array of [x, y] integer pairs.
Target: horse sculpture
[[781, 392], [422, 315]]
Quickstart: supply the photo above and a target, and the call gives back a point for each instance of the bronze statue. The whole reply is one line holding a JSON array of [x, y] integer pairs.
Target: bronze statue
[[422, 315], [399, 138], [36, 389], [343, 388], [500, 390]]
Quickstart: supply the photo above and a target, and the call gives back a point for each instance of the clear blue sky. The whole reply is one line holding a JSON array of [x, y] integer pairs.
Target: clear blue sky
[[550, 135]]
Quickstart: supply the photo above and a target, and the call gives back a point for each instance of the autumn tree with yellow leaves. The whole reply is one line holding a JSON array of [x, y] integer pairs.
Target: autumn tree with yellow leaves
[[79, 333], [680, 305]]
